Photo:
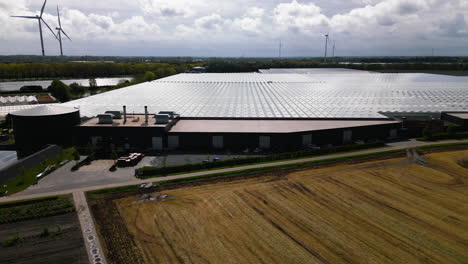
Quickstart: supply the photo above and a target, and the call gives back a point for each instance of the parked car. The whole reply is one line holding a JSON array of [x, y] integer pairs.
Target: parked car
[[46, 171], [131, 160]]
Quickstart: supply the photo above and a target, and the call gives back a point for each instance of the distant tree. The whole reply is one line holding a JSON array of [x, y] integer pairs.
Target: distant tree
[[77, 88], [170, 71], [149, 76], [92, 83], [60, 91]]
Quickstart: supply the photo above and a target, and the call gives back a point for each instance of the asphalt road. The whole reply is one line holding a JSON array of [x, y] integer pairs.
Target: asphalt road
[[130, 180]]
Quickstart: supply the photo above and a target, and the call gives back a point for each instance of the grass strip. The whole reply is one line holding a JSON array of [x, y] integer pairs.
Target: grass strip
[[283, 166]]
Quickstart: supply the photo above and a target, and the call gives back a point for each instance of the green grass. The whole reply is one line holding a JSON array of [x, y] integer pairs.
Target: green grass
[[28, 176], [441, 146], [126, 188]]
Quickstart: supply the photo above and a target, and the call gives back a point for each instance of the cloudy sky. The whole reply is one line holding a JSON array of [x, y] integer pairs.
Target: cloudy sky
[[239, 27]]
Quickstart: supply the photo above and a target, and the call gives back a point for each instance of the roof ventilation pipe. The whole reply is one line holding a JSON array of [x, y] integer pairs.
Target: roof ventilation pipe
[[146, 114], [125, 114]]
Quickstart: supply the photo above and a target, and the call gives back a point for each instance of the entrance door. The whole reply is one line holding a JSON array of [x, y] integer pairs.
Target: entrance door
[[157, 143], [264, 142], [347, 136], [306, 140], [393, 133], [218, 142]]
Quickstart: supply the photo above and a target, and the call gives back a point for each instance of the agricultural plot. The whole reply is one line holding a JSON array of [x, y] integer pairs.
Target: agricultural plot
[[399, 210], [41, 231]]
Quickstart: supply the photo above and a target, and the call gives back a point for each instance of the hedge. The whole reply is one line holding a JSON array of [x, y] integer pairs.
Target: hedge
[[442, 136], [147, 172]]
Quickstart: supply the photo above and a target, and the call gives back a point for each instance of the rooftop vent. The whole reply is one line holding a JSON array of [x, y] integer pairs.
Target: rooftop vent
[[162, 118], [117, 114], [105, 118], [170, 113]]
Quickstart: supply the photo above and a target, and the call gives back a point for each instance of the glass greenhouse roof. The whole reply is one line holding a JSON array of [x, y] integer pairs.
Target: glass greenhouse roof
[[351, 94]]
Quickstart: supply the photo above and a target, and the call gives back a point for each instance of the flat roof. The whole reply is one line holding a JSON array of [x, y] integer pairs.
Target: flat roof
[[45, 110], [137, 120], [459, 115], [350, 94], [268, 126]]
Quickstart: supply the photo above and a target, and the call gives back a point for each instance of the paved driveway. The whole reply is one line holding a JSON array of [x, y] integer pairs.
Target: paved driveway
[[92, 175]]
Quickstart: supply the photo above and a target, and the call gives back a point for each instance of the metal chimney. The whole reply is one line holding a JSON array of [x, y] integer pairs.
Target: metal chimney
[[125, 114], [146, 114]]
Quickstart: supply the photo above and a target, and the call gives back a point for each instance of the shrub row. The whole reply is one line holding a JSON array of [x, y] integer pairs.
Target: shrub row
[[147, 172], [39, 209]]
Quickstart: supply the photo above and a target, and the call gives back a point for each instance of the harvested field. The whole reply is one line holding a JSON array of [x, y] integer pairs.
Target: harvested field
[[400, 210]]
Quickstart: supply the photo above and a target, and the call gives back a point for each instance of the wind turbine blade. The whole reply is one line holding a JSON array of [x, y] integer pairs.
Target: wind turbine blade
[[65, 34], [25, 16], [43, 6], [49, 28], [58, 14]]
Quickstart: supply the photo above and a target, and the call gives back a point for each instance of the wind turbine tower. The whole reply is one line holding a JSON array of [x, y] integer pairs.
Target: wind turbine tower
[[326, 47], [60, 31], [279, 50], [40, 21]]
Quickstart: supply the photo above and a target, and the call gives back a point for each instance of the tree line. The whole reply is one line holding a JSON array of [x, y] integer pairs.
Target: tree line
[[85, 70], [255, 65]]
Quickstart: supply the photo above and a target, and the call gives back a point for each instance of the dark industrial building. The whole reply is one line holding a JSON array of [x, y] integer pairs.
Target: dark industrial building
[[143, 132], [38, 127]]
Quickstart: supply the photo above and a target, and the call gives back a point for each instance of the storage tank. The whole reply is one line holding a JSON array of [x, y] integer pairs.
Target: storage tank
[[37, 127]]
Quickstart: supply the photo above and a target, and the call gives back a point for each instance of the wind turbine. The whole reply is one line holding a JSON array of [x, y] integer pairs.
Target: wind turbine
[[60, 31], [40, 21], [326, 46]]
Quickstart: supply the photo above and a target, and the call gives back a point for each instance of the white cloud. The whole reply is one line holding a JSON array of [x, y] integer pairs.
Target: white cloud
[[213, 21], [172, 8], [298, 16]]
